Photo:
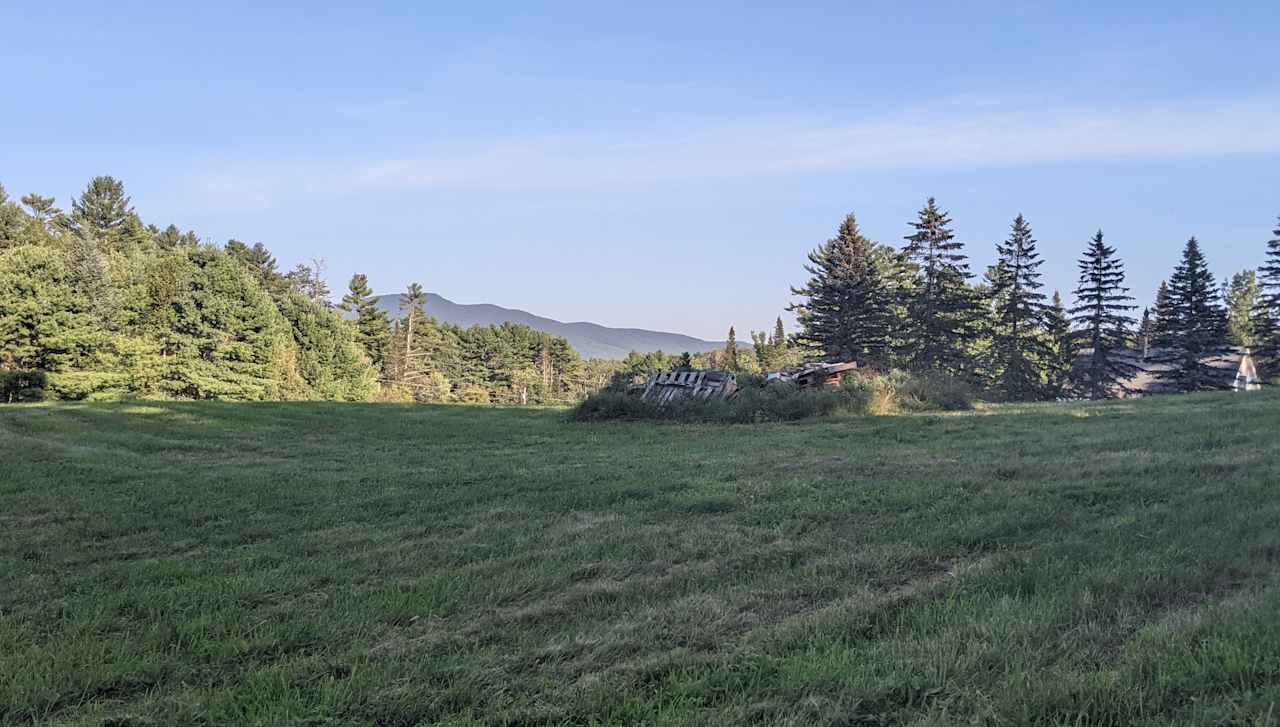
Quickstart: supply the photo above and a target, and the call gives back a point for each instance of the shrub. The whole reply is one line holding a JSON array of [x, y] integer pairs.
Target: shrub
[[784, 401], [933, 391], [22, 386]]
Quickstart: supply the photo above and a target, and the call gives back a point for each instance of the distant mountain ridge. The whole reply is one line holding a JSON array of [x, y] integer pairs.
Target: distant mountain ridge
[[590, 340]]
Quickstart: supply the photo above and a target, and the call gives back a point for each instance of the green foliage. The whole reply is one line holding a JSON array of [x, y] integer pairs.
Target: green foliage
[[1018, 340], [1062, 350], [18, 387], [759, 401], [373, 331], [1198, 323], [1267, 314], [1102, 314], [847, 312], [1242, 299], [941, 310]]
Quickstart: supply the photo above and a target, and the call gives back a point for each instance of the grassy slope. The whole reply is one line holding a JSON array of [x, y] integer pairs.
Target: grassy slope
[[316, 563]]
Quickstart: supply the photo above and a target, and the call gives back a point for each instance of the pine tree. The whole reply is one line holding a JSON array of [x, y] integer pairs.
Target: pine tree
[[1267, 314], [1019, 346], [1062, 350], [411, 303], [847, 312], [1199, 324], [1164, 320], [373, 331], [1101, 312], [941, 309], [1144, 332], [731, 351], [103, 210]]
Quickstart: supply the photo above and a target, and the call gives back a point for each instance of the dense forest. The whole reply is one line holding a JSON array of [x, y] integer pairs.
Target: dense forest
[[96, 304]]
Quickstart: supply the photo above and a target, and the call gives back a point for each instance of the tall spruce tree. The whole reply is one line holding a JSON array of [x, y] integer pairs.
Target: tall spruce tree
[[1062, 350], [1018, 341], [1144, 332], [1101, 313], [1164, 319], [1267, 314], [846, 313], [731, 362], [941, 309], [1199, 325], [373, 330]]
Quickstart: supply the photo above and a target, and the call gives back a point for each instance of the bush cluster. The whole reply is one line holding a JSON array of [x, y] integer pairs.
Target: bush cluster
[[783, 401], [21, 386]]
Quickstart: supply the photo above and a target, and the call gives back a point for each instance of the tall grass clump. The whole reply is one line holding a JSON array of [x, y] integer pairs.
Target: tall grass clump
[[758, 401]]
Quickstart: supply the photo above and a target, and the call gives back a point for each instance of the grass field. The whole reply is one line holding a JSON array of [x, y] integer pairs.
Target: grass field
[[210, 563]]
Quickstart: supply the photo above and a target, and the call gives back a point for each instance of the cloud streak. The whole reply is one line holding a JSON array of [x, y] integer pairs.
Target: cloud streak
[[979, 137]]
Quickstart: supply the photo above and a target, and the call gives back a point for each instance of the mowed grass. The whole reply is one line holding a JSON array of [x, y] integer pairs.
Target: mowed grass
[[216, 563]]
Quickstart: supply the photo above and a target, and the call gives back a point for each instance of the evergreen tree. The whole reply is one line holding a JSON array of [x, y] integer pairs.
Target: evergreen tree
[[1267, 314], [1165, 319], [941, 310], [847, 311], [731, 351], [411, 303], [1062, 350], [1101, 312], [102, 210], [685, 363], [1144, 332], [1241, 299], [1019, 345], [373, 331], [1199, 324]]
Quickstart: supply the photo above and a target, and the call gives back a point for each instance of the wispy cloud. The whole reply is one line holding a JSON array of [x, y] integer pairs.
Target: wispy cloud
[[981, 135]]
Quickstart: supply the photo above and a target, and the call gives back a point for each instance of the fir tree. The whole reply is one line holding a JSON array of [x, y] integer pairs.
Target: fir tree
[[1019, 345], [941, 309], [1164, 320], [1199, 324], [1267, 314], [847, 312], [373, 331], [731, 351], [1062, 350], [1101, 312]]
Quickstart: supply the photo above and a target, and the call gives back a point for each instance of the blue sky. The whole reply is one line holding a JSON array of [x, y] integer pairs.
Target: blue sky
[[653, 164]]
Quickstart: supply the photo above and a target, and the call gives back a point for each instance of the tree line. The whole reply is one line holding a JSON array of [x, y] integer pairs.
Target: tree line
[[95, 304], [920, 308]]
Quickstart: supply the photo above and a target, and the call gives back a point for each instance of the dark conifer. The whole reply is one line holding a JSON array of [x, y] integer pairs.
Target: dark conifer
[[1101, 313], [846, 313], [1199, 324], [941, 308], [1267, 315], [1062, 351], [1164, 319], [1019, 345], [373, 331]]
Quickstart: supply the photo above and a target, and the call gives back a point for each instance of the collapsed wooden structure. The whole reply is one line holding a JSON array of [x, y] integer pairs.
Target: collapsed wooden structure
[[815, 374], [663, 388]]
